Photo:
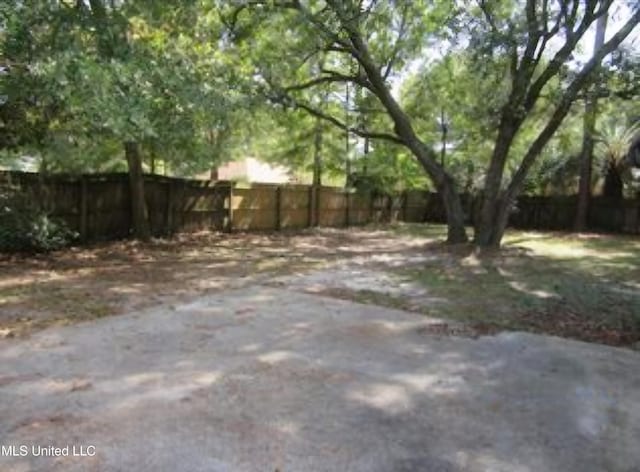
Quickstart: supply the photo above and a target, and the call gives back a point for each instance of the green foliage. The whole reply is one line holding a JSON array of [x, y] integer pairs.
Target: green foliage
[[199, 83], [288, 138], [614, 143], [454, 87], [615, 140], [388, 168], [26, 228], [83, 79]]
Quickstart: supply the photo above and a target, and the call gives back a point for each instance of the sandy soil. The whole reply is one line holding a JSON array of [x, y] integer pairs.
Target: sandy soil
[[542, 282], [113, 278]]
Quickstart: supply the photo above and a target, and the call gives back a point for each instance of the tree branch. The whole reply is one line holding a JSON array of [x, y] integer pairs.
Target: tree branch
[[336, 122], [563, 53], [337, 78], [527, 66], [398, 43], [328, 33], [568, 98], [489, 18], [402, 123]]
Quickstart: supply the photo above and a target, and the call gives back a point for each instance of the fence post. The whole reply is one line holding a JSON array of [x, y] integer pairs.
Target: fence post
[[372, 206], [317, 200], [169, 210], [347, 208], [278, 207], [84, 203], [229, 223], [310, 207], [405, 198]]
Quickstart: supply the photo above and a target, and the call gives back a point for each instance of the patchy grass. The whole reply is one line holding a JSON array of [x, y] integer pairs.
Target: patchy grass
[[613, 257], [371, 297], [578, 286]]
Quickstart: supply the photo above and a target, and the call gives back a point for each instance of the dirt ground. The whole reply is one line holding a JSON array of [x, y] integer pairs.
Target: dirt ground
[[113, 278], [541, 282], [371, 349]]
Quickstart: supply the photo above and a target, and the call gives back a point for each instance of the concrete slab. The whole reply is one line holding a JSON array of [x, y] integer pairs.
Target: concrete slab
[[264, 379]]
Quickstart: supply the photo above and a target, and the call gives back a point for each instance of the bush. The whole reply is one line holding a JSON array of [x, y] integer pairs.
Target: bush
[[26, 228]]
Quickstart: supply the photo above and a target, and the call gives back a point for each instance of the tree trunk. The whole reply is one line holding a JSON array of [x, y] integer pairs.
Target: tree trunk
[[317, 154], [487, 231], [613, 184], [444, 129], [495, 208], [500, 225], [586, 164], [586, 156], [456, 232], [139, 216], [446, 187], [490, 231], [365, 157], [347, 169], [427, 158]]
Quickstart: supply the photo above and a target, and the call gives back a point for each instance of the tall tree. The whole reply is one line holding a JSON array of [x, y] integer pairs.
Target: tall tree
[[529, 41], [347, 32], [589, 129], [527, 45], [126, 78]]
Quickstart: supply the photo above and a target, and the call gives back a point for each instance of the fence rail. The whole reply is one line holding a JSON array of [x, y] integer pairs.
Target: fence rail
[[97, 206]]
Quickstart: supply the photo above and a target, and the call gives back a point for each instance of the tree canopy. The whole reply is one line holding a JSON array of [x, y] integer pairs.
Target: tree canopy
[[474, 96]]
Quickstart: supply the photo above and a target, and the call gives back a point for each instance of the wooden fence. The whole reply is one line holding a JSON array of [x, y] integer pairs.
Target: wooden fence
[[98, 207], [550, 213]]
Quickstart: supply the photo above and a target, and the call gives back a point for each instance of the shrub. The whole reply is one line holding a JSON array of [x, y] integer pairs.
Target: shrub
[[26, 228]]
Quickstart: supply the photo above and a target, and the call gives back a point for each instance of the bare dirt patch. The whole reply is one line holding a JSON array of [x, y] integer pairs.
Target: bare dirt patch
[[112, 278], [580, 287]]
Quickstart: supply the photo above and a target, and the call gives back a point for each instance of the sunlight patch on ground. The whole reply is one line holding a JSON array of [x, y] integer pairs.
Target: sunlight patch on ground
[[275, 357], [562, 249], [540, 281], [393, 399], [521, 287]]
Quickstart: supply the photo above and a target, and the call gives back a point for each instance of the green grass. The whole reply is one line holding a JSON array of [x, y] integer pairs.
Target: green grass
[[584, 287]]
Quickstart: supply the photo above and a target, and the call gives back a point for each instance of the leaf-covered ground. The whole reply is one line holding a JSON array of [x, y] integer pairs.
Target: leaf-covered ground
[[579, 286]]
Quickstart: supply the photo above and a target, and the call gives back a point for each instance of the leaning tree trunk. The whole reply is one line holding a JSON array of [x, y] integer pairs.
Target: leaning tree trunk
[[407, 136], [444, 183], [140, 220]]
